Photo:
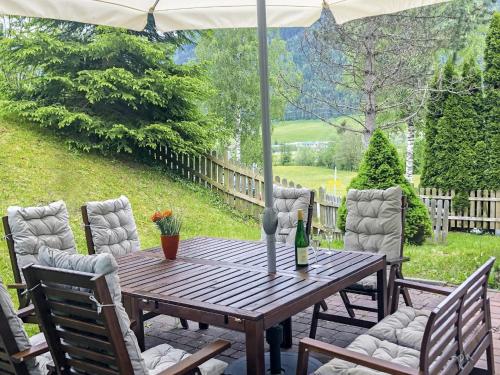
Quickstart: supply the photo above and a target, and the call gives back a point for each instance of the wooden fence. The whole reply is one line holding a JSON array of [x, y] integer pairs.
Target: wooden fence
[[483, 211], [243, 189], [439, 211], [240, 186]]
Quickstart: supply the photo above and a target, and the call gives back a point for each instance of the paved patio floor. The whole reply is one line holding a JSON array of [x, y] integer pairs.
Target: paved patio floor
[[166, 329]]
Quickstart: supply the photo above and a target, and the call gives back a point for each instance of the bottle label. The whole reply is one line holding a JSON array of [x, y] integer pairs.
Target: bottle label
[[302, 256]]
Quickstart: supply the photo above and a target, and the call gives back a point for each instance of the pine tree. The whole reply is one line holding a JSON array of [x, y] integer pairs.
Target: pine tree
[[106, 89], [492, 103], [381, 168]]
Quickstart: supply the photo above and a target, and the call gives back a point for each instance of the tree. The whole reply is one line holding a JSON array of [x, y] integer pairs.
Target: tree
[[443, 85], [231, 61], [370, 59], [381, 168], [463, 128], [105, 88], [492, 100], [458, 133]]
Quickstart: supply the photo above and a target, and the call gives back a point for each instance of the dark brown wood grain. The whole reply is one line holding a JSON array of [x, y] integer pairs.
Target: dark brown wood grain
[[226, 283], [82, 327]]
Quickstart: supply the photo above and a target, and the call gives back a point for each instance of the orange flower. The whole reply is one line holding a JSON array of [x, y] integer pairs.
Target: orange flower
[[166, 213], [156, 216]]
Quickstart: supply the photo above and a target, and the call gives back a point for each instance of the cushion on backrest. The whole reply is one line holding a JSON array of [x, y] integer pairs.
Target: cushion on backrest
[[374, 221], [113, 226], [34, 227], [17, 329], [286, 203], [101, 264]]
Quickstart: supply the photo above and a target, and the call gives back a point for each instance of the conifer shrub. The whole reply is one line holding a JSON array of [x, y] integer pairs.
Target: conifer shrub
[[381, 168]]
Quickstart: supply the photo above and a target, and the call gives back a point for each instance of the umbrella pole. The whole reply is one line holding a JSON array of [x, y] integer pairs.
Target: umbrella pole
[[269, 220]]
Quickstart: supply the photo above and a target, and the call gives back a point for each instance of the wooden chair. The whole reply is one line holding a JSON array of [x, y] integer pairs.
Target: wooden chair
[[25, 307], [13, 360], [92, 250], [84, 330], [395, 271], [457, 333]]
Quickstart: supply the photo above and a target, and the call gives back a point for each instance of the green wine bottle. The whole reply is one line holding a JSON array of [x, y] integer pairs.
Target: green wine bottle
[[301, 242]]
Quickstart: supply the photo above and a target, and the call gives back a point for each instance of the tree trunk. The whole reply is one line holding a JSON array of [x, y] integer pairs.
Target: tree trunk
[[237, 137], [369, 87], [410, 143]]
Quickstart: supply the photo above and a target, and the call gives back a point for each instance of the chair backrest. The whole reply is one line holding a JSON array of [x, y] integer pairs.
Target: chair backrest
[[110, 227], [78, 301], [286, 203], [28, 229], [375, 221], [13, 339], [457, 331]]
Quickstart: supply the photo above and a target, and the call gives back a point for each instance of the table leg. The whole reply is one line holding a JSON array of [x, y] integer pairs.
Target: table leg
[[254, 332], [136, 318], [287, 333], [382, 293]]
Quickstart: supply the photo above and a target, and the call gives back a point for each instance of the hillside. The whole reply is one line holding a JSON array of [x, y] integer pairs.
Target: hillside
[[37, 168]]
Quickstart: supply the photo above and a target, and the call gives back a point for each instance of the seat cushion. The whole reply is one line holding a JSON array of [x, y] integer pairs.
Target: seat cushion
[[405, 327], [373, 347], [113, 226], [101, 264], [373, 221], [35, 367], [164, 356], [34, 227], [287, 201]]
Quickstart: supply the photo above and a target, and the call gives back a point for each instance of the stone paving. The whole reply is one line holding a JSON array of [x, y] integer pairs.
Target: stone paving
[[166, 329]]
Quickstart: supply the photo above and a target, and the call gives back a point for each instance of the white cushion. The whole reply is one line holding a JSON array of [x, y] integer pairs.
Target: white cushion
[[106, 264], [164, 356], [375, 348], [373, 221], [405, 327], [286, 203], [113, 226], [34, 227], [35, 366]]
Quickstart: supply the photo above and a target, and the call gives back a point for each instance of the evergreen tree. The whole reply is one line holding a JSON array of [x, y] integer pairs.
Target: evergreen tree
[[381, 168], [106, 88], [441, 87], [492, 103], [458, 132]]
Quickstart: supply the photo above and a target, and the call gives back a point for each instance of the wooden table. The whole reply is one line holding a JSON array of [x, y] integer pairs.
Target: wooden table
[[225, 283]]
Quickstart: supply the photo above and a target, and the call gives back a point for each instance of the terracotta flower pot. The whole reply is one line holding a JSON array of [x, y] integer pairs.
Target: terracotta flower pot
[[170, 245]]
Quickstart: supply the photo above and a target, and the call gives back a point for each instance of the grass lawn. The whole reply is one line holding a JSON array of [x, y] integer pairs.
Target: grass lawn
[[305, 131], [452, 262], [315, 177], [37, 168]]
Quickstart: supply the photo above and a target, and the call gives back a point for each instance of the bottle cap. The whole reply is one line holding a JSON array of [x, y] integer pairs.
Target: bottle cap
[[300, 215]]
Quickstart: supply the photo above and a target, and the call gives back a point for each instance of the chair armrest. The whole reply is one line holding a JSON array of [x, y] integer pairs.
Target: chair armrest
[[400, 260], [186, 366], [313, 345], [423, 287], [32, 352], [26, 311], [17, 286]]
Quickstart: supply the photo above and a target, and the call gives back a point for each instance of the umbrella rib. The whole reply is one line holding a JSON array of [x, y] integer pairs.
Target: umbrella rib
[[120, 5], [237, 6]]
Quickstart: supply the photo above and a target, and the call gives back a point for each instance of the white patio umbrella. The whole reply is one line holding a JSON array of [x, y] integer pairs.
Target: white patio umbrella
[[173, 15]]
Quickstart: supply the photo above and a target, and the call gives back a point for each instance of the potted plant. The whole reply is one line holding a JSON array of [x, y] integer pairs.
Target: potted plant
[[170, 227]]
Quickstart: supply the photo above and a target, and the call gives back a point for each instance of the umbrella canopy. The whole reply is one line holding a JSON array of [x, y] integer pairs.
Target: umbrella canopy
[[203, 14], [173, 15]]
